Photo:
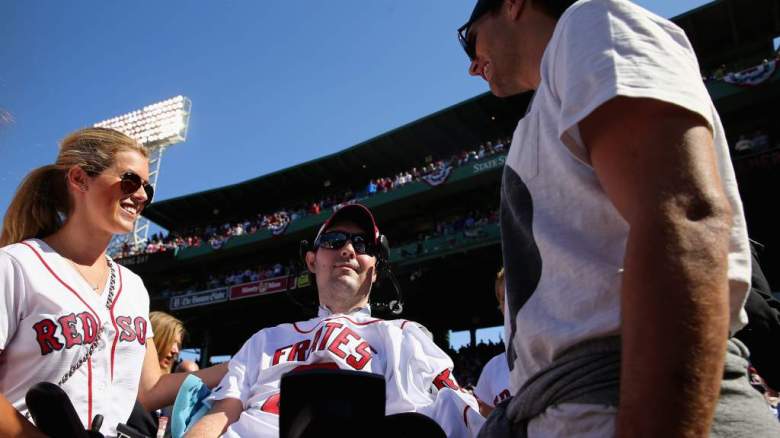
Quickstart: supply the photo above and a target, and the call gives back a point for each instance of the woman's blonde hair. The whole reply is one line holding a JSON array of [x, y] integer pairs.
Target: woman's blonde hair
[[42, 200], [167, 330]]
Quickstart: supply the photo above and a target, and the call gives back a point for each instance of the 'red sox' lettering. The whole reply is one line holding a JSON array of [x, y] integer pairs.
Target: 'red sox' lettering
[[334, 337], [72, 329]]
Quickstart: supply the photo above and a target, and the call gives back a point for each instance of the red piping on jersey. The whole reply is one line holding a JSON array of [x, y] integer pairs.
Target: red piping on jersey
[[63, 283], [113, 320], [89, 396], [303, 332], [404, 323]]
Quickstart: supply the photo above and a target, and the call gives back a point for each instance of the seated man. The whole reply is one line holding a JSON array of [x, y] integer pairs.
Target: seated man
[[418, 375]]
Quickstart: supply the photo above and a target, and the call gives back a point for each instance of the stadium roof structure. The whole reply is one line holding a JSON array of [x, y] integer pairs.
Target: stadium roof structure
[[439, 135], [725, 32]]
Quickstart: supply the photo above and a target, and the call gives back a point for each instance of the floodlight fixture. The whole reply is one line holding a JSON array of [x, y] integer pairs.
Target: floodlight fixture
[[156, 126]]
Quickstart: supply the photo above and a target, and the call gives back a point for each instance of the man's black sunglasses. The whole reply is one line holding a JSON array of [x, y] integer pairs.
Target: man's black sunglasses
[[337, 240], [481, 8], [131, 181]]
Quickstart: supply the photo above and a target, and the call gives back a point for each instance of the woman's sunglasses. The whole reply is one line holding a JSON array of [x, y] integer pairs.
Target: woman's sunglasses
[[337, 240], [131, 181]]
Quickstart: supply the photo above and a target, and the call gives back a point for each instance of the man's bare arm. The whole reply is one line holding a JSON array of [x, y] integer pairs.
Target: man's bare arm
[[224, 413], [657, 164]]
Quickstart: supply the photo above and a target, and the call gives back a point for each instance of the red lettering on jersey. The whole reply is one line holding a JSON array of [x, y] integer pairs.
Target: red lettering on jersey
[[125, 323], [501, 397], [89, 326], [278, 354], [364, 350], [45, 331], [314, 342], [271, 404], [140, 329], [299, 350], [445, 379], [316, 366], [342, 339], [330, 327], [70, 331]]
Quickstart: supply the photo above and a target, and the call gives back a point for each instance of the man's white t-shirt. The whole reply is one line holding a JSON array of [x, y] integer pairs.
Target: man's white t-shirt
[[563, 240]]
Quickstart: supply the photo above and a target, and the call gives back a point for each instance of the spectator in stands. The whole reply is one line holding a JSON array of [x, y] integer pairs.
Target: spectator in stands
[[760, 141], [743, 145], [418, 377], [655, 251], [493, 385]]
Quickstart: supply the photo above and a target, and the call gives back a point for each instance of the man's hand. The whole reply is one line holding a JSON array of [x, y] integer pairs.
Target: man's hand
[[657, 164], [224, 413]]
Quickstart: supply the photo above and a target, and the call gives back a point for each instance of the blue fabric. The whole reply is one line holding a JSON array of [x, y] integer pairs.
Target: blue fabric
[[190, 405]]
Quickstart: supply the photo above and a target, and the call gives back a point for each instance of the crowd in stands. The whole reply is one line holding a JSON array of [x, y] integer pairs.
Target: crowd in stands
[[469, 225], [470, 359], [216, 235], [758, 141], [734, 72]]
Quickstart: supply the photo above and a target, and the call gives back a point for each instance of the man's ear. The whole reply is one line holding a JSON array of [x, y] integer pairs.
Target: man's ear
[[310, 256], [77, 179], [515, 8]]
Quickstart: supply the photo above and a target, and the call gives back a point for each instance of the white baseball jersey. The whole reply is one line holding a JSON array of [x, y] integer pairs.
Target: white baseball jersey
[[49, 316], [417, 372], [493, 384]]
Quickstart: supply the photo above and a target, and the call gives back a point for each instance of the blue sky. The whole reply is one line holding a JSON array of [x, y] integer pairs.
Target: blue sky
[[272, 84]]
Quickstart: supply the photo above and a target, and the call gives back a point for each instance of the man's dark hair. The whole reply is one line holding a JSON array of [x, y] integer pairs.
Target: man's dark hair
[[553, 8]]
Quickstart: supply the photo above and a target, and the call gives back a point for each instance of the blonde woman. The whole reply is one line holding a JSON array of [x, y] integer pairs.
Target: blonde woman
[[168, 336], [68, 314]]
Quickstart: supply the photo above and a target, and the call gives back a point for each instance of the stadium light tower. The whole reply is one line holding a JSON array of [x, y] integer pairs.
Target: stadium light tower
[[157, 126]]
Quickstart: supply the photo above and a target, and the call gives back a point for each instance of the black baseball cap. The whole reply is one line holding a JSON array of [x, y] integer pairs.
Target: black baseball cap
[[357, 213]]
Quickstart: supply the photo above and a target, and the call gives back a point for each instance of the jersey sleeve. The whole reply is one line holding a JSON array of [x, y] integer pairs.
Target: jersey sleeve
[[241, 373], [606, 48], [421, 381], [12, 288]]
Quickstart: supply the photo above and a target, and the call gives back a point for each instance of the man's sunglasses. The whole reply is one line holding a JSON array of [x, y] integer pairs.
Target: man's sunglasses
[[468, 46], [469, 42], [130, 182], [337, 240]]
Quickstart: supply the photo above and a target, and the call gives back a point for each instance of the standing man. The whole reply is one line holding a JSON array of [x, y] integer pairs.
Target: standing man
[[344, 335], [624, 238]]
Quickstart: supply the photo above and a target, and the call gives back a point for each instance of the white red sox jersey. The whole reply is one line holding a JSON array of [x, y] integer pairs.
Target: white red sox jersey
[[417, 372], [49, 316], [493, 384]]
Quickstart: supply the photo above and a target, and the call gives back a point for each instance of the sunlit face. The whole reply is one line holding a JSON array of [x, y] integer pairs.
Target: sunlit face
[[105, 205], [507, 54], [170, 356], [344, 277]]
